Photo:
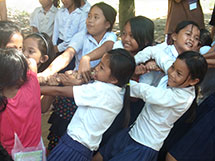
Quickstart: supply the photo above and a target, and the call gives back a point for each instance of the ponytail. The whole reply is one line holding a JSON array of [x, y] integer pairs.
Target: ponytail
[[126, 106], [192, 110]]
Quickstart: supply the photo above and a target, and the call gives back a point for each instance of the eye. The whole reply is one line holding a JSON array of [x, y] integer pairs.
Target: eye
[[96, 17]]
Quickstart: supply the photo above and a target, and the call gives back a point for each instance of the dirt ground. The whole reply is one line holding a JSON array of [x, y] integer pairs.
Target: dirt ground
[[22, 18]]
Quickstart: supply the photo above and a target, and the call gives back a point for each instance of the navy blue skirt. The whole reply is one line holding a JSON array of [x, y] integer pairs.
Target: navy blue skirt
[[122, 147], [70, 150], [199, 142]]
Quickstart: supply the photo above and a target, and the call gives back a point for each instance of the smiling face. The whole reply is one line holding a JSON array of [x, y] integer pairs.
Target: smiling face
[[96, 23], [179, 75], [187, 39], [103, 71], [128, 41], [16, 41], [31, 50]]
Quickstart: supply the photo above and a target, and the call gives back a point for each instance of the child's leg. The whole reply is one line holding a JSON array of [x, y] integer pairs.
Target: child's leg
[[97, 157], [169, 157]]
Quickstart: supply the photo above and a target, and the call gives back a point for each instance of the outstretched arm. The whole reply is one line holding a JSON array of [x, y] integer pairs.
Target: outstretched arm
[[84, 67], [66, 91], [60, 62]]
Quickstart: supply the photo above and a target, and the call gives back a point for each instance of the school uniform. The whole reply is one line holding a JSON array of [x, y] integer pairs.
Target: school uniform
[[43, 21], [164, 105], [94, 115], [67, 25], [83, 43]]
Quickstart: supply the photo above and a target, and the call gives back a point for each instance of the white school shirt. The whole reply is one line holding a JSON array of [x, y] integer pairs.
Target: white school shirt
[[67, 25], [86, 7], [84, 43], [164, 105], [44, 22], [98, 105]]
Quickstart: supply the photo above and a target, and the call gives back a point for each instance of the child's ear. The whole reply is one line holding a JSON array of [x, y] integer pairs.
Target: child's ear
[[174, 36], [193, 82], [44, 59], [113, 80], [107, 25]]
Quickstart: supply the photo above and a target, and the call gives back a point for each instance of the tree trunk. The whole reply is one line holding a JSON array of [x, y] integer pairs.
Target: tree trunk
[[126, 11]]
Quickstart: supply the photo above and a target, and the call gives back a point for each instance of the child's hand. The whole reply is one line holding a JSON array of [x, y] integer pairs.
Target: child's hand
[[69, 79], [151, 66], [140, 69], [84, 68], [53, 80]]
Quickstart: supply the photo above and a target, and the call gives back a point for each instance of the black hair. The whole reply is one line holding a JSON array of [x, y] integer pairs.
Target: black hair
[[77, 3], [142, 29], [46, 47], [122, 66], [197, 66], [184, 24], [109, 13], [56, 3], [13, 71], [7, 30], [205, 38]]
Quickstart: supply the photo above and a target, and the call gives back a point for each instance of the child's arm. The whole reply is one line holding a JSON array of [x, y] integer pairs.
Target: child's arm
[[161, 58], [84, 67], [66, 91], [60, 62]]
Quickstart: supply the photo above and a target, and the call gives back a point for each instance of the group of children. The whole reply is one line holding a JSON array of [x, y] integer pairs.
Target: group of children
[[123, 99]]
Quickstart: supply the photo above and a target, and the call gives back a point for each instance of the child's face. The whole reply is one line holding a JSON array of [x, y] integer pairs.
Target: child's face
[[31, 50], [128, 41], [187, 39], [45, 3], [16, 41], [67, 3], [179, 75], [103, 71], [96, 23]]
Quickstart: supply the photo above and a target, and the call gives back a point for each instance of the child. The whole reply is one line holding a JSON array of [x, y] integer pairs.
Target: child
[[205, 41], [137, 34], [10, 35], [42, 19], [69, 20], [39, 47], [135, 37], [164, 105], [65, 107], [20, 96], [85, 130]]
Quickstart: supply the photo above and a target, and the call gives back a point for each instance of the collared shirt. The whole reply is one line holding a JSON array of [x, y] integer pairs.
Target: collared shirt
[[84, 43], [43, 21], [98, 105], [164, 105], [67, 25]]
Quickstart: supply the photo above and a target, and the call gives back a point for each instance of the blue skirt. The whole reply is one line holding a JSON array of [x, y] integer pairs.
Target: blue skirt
[[70, 150], [199, 142], [122, 147]]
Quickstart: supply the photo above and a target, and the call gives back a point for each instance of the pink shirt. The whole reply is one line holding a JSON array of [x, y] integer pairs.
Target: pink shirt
[[22, 115]]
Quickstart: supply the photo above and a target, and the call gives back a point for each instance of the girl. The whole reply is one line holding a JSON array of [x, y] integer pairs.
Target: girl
[[137, 34], [164, 105], [20, 97], [84, 132], [100, 21], [10, 35], [42, 19], [135, 37], [69, 20], [39, 47]]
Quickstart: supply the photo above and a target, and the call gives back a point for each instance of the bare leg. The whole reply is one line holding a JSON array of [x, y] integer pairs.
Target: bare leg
[[169, 157], [97, 157]]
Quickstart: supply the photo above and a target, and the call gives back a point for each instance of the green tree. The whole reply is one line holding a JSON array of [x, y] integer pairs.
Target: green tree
[[126, 11]]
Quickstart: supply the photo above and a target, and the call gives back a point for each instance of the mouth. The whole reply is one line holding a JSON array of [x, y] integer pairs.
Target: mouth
[[190, 45], [126, 45]]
